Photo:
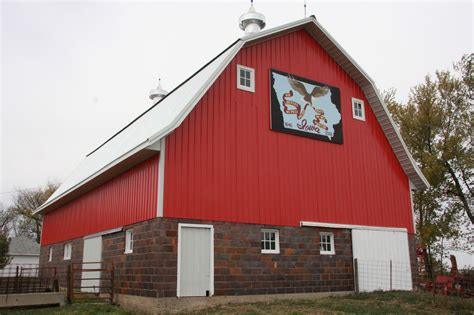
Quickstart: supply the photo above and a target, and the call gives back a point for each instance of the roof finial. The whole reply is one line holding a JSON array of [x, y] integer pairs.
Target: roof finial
[[252, 21], [158, 93], [305, 8]]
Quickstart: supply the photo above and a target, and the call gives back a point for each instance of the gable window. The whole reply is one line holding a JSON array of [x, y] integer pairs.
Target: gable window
[[270, 241], [326, 246], [128, 241], [50, 255], [358, 109], [67, 251], [245, 78]]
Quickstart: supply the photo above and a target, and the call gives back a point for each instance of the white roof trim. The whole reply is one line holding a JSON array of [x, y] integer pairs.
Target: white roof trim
[[169, 113], [351, 226], [147, 129], [385, 119], [106, 232], [334, 49]]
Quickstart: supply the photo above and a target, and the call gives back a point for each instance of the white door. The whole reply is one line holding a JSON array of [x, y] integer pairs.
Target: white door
[[383, 260], [195, 260], [92, 253]]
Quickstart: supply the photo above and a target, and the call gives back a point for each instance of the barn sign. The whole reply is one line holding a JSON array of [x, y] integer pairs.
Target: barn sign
[[305, 108]]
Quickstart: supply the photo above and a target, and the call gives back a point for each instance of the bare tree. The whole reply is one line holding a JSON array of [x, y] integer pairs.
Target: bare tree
[[26, 201]]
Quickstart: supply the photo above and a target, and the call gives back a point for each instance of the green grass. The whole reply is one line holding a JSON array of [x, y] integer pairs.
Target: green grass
[[76, 308], [363, 303]]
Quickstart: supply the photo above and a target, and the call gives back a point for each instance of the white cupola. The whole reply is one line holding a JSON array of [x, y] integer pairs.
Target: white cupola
[[252, 21], [158, 93]]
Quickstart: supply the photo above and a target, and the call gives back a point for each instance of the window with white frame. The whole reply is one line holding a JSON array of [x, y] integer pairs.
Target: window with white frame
[[50, 255], [358, 109], [270, 241], [326, 241], [128, 241], [67, 251], [245, 78]]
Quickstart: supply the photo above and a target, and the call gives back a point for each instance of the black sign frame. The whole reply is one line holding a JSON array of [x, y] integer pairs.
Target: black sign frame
[[276, 115]]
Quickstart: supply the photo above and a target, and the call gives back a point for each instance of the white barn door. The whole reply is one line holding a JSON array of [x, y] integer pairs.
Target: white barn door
[[383, 260], [195, 260], [92, 253]]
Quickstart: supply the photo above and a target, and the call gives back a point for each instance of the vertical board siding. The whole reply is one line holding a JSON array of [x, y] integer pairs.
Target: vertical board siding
[[128, 198], [225, 163]]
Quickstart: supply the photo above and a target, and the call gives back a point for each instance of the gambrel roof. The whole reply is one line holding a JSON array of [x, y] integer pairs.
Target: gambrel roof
[[145, 132]]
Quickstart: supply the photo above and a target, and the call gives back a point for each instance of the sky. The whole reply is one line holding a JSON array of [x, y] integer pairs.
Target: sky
[[74, 73]]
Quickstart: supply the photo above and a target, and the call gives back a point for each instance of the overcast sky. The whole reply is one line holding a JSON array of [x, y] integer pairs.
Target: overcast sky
[[73, 73]]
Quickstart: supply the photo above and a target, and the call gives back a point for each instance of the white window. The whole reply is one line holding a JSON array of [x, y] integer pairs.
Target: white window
[[358, 109], [50, 256], [270, 241], [326, 246], [245, 78], [128, 241], [67, 251]]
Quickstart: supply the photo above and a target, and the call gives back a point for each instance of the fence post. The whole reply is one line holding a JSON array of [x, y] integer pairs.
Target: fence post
[[356, 276], [55, 282], [390, 275], [8, 284], [112, 283], [69, 278], [15, 285]]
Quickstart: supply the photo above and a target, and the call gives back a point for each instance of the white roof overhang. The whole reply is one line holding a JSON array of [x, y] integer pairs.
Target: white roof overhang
[[138, 140]]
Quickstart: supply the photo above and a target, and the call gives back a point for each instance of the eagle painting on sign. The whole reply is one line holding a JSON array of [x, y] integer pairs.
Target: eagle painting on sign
[[304, 107]]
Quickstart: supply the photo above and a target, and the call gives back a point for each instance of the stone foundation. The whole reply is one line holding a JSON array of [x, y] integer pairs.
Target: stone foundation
[[239, 266]]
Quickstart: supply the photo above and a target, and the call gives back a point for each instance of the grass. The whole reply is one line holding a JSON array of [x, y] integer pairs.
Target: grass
[[363, 303], [76, 308]]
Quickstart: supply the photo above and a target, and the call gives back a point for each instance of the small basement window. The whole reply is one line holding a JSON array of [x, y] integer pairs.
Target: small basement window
[[270, 241], [128, 241], [50, 255], [358, 109], [67, 251], [326, 241], [245, 78]]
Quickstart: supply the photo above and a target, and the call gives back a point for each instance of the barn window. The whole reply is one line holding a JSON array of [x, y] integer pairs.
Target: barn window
[[128, 241], [67, 251], [358, 109], [245, 78], [270, 241], [50, 255], [326, 246]]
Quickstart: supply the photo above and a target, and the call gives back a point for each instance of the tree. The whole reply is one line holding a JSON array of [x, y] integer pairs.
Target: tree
[[6, 219], [25, 202], [436, 125]]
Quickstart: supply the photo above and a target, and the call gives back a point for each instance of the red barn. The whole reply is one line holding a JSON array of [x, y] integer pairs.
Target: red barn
[[269, 170]]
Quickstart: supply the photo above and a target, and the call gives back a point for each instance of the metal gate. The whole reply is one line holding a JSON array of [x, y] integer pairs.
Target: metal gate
[[28, 279], [79, 277]]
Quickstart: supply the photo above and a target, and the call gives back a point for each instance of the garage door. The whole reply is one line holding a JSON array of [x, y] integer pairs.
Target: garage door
[[383, 260]]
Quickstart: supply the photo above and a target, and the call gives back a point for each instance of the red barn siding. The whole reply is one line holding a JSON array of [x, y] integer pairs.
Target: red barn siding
[[128, 198], [224, 162]]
